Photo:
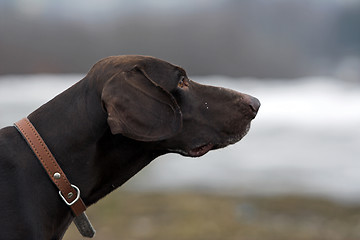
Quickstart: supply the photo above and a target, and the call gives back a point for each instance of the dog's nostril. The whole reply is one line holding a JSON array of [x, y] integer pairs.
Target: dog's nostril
[[254, 104]]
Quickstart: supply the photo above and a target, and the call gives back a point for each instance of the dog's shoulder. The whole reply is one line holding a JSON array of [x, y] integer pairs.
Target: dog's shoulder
[[11, 145]]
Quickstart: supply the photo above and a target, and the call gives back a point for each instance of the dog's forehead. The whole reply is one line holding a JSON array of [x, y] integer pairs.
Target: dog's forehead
[[152, 63], [157, 64], [162, 72], [149, 63]]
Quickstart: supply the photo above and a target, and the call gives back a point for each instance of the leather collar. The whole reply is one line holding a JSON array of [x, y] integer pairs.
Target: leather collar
[[68, 192]]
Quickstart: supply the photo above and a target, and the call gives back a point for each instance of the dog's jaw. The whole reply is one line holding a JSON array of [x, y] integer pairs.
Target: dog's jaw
[[204, 147], [199, 151]]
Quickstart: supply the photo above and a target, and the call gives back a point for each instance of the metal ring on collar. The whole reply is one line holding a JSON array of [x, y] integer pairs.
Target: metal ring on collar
[[77, 197]]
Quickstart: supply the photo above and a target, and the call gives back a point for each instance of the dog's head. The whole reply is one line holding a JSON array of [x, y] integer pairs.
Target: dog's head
[[150, 100]]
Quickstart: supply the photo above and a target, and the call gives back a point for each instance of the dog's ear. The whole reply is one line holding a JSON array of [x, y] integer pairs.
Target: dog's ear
[[140, 109]]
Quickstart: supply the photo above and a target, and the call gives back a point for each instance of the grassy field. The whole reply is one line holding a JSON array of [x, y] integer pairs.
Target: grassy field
[[190, 216]]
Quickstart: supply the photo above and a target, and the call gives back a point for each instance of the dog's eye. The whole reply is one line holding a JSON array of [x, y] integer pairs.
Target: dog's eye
[[184, 82]]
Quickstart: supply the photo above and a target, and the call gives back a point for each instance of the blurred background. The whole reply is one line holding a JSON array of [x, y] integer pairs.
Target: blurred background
[[295, 175]]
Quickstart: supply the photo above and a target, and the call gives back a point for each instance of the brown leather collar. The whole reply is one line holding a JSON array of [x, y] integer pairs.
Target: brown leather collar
[[68, 192]]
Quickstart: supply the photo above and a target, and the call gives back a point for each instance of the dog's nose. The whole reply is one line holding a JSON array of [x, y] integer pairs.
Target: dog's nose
[[254, 104]]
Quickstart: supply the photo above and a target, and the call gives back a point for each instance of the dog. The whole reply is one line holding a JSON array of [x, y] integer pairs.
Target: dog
[[124, 113]]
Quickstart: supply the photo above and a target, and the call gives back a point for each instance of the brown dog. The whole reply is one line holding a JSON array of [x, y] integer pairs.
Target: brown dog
[[127, 111]]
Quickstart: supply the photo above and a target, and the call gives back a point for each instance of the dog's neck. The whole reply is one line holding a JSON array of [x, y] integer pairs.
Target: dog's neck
[[74, 126]]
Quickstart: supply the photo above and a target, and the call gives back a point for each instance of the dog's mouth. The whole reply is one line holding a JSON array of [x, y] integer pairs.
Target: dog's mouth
[[199, 151], [203, 149]]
